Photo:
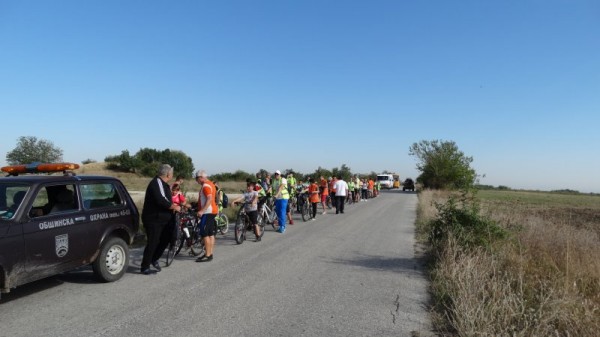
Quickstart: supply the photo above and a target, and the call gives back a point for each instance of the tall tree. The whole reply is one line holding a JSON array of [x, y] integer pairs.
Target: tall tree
[[442, 165], [29, 149]]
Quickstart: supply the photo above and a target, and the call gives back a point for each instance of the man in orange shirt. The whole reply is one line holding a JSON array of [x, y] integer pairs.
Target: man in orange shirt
[[370, 188], [207, 211]]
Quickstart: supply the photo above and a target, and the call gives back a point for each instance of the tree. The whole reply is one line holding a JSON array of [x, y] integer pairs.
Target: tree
[[30, 149], [147, 161], [124, 162], [442, 165]]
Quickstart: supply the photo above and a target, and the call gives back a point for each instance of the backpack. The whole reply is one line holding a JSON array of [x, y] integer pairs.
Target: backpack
[[225, 200]]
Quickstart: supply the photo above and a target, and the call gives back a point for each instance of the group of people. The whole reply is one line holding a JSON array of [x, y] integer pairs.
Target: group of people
[[160, 204], [334, 190], [162, 201]]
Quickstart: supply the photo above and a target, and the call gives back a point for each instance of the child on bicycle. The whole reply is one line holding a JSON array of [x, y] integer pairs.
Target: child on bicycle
[[250, 199]]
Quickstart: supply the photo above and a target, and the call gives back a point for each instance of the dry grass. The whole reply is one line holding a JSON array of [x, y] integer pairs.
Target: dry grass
[[544, 281]]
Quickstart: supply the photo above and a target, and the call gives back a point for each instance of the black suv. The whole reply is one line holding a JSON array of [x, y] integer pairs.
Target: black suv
[[408, 185], [54, 223]]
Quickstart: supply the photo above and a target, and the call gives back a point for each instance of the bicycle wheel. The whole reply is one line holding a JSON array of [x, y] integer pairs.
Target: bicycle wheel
[[197, 244], [275, 219], [305, 215], [179, 245], [240, 227], [223, 224], [174, 247], [261, 228], [175, 238]]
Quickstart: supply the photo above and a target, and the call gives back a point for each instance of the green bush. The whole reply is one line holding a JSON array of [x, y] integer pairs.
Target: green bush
[[461, 219], [146, 162]]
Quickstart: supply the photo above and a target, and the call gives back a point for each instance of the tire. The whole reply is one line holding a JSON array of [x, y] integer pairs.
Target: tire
[[197, 245], [239, 230], [275, 219], [224, 220], [172, 250], [111, 264], [305, 215], [261, 228], [180, 245]]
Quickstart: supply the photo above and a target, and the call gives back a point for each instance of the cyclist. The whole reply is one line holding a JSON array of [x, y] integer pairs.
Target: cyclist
[[178, 197], [357, 187], [207, 211], [281, 194], [350, 196], [324, 190], [313, 197], [291, 187], [262, 195], [301, 192], [332, 181], [250, 199]]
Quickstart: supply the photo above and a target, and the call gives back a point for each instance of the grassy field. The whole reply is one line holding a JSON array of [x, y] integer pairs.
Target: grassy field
[[544, 280]]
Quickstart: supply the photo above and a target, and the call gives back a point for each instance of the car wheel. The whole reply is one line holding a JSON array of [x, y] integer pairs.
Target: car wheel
[[113, 260]]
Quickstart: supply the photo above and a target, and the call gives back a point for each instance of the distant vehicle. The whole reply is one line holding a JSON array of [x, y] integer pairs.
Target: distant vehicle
[[408, 185], [386, 180], [50, 224], [396, 181]]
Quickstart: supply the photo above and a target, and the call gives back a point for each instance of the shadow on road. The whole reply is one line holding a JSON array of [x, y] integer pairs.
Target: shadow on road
[[383, 263]]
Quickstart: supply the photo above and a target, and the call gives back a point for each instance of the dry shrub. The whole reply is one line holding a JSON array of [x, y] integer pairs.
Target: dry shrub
[[545, 281]]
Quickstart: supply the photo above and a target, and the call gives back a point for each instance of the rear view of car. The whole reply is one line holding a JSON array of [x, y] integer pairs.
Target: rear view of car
[[408, 185]]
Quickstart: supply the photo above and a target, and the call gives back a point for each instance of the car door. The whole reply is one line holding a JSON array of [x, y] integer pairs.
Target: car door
[[55, 234], [12, 256]]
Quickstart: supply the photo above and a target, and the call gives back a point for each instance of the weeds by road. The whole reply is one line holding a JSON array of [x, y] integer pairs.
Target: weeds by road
[[543, 280]]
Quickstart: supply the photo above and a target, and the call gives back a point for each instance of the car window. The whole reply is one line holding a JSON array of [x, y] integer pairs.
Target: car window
[[11, 197], [99, 195], [54, 199]]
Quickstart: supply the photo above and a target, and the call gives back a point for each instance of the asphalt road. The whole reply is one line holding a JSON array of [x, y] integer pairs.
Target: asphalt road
[[352, 274]]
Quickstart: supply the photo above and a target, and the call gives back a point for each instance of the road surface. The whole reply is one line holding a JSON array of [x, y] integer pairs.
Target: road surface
[[352, 274]]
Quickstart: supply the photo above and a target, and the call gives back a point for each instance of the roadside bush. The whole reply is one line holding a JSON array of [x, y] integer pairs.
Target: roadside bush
[[461, 219], [544, 281]]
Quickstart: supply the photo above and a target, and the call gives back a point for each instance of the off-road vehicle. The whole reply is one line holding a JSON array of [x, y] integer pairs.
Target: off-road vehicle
[[50, 224], [408, 185]]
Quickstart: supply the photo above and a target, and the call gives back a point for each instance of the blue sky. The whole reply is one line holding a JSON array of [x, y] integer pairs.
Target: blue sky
[[302, 84]]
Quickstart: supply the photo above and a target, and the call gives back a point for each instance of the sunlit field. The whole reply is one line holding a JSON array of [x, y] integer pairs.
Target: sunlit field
[[544, 280]]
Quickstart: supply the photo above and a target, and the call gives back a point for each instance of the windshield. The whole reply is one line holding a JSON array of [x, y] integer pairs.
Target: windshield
[[384, 178], [11, 197]]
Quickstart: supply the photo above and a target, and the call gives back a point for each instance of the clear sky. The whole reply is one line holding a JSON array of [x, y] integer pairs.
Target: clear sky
[[300, 84]]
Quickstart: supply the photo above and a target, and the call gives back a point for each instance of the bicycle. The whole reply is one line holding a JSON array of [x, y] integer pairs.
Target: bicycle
[[305, 207], [186, 234], [266, 213], [222, 223], [243, 224], [293, 202]]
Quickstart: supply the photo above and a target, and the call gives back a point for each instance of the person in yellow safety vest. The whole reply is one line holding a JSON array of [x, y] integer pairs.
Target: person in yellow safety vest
[[262, 195], [291, 183], [280, 192]]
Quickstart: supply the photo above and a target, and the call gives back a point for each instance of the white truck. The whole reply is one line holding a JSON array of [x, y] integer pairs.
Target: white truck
[[386, 180]]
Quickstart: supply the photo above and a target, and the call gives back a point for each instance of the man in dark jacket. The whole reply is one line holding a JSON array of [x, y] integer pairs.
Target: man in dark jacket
[[157, 217]]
